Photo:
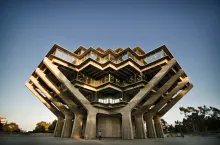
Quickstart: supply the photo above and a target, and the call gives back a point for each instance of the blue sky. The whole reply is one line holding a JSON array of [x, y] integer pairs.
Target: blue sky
[[28, 29]]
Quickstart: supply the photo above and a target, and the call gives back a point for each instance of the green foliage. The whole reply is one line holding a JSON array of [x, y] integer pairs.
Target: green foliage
[[11, 127], [198, 120], [42, 127]]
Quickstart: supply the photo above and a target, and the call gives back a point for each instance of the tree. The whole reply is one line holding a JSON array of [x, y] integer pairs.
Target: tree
[[52, 126], [164, 125], [199, 120], [41, 127], [1, 126], [11, 127]]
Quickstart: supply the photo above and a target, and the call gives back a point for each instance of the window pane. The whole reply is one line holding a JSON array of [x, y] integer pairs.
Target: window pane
[[64, 56]]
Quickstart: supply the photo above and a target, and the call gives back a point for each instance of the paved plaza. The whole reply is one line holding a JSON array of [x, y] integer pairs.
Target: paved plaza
[[21, 140]]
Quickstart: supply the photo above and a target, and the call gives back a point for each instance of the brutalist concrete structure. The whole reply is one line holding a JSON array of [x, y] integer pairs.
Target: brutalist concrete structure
[[123, 92]]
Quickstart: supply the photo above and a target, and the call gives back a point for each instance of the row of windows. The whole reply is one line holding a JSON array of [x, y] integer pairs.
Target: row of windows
[[71, 59], [109, 101], [110, 78]]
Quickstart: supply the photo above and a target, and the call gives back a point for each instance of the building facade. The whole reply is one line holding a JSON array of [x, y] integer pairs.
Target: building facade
[[123, 93]]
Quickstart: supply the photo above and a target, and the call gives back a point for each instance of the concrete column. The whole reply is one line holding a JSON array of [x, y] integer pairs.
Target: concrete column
[[127, 130], [68, 114], [55, 111], [139, 123], [90, 132], [77, 126], [158, 127], [67, 127], [150, 128], [59, 127]]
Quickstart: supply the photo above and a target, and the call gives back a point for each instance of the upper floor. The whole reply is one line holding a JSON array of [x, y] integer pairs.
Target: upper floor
[[116, 57]]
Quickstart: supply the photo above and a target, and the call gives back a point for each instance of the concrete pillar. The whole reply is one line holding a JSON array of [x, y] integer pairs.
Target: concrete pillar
[[150, 128], [68, 114], [55, 111], [158, 127], [139, 123], [127, 130], [90, 132], [77, 126], [59, 127], [67, 127]]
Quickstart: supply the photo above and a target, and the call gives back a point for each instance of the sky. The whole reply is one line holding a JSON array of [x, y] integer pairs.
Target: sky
[[28, 29]]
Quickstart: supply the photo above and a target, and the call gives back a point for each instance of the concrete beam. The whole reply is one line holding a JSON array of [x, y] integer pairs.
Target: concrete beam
[[61, 77], [54, 100], [168, 97], [66, 132], [151, 84], [76, 132], [57, 113], [160, 92], [174, 101], [157, 107]]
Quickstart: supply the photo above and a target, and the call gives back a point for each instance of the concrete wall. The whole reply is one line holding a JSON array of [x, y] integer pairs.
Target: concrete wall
[[109, 125]]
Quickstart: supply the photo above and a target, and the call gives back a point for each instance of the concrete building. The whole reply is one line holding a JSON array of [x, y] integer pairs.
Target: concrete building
[[123, 93]]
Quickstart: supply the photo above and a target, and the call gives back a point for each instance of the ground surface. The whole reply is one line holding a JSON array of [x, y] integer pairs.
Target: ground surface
[[22, 140]]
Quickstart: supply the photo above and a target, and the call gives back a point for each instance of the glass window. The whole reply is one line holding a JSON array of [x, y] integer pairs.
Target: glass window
[[154, 57], [64, 56], [125, 56], [92, 56]]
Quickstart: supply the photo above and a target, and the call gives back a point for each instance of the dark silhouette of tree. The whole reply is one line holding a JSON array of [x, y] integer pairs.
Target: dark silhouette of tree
[[1, 126], [164, 125], [195, 120], [52, 126]]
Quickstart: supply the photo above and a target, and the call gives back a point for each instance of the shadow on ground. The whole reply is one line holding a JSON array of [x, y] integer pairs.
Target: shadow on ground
[[22, 140]]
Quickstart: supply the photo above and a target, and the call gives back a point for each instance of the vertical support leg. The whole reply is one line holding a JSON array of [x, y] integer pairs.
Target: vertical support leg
[[127, 130], [158, 128], [77, 126], [90, 132], [150, 128], [67, 127], [140, 131], [59, 127]]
